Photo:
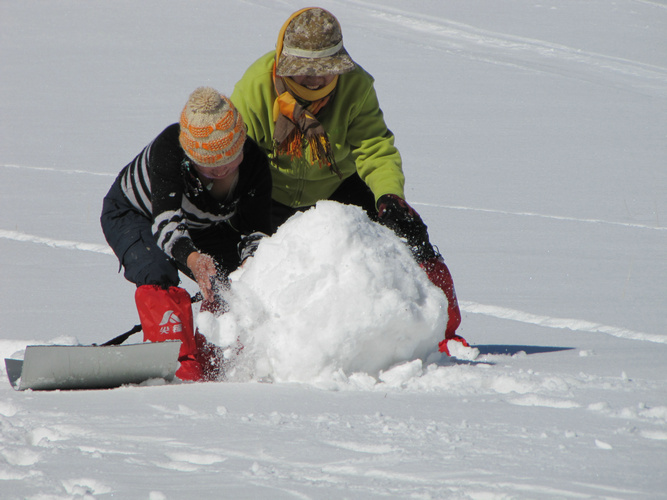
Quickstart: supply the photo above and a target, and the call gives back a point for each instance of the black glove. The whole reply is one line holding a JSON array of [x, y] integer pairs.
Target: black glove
[[248, 245], [395, 213]]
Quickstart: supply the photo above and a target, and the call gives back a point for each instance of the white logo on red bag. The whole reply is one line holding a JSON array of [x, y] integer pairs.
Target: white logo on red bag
[[171, 323]]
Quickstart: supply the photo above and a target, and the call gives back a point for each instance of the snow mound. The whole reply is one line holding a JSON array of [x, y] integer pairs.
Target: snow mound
[[330, 294]]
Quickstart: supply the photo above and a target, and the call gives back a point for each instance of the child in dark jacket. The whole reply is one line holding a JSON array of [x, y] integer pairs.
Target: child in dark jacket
[[197, 199]]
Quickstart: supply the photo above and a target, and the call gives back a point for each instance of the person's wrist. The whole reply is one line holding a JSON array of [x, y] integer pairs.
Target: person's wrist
[[192, 259]]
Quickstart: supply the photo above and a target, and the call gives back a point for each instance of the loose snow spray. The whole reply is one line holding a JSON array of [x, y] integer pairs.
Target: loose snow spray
[[331, 294]]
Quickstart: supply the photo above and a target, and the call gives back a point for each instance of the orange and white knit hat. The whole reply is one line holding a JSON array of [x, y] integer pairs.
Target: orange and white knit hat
[[212, 129]]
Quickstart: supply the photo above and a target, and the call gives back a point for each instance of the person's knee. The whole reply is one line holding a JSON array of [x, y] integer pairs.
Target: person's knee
[[154, 275], [144, 263]]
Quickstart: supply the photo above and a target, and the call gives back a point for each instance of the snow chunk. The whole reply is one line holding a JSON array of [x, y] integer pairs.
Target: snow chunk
[[401, 374], [602, 445], [459, 351]]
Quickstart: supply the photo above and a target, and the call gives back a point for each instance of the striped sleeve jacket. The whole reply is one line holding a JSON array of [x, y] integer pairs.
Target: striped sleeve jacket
[[162, 184]]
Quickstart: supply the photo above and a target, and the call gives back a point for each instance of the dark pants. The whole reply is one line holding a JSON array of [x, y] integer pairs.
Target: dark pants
[[353, 191], [130, 236]]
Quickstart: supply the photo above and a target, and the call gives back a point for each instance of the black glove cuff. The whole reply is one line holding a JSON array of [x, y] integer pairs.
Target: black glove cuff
[[395, 213]]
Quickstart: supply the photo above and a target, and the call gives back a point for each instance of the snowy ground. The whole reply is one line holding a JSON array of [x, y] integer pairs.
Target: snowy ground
[[534, 136]]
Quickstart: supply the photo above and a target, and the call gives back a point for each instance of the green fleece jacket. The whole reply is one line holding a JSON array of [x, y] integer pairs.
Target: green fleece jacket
[[354, 123]]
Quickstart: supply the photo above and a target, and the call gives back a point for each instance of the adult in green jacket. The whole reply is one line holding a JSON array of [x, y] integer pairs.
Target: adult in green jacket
[[316, 114], [360, 141]]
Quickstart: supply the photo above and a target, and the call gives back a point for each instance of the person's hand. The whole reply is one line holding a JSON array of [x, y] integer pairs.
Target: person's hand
[[395, 213], [204, 271], [248, 245]]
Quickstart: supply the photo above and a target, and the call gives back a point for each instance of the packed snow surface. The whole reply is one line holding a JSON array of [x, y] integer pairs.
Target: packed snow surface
[[534, 140]]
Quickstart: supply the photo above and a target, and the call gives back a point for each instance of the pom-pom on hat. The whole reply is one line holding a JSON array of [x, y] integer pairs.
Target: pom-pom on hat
[[212, 129], [311, 43]]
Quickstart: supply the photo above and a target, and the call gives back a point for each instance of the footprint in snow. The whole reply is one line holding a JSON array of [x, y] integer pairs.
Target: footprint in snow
[[182, 410], [8, 409], [533, 400], [9, 474], [23, 457], [373, 449], [44, 436], [189, 462], [196, 458], [84, 487]]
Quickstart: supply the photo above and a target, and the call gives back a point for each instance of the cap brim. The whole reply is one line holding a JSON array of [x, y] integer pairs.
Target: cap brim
[[337, 64]]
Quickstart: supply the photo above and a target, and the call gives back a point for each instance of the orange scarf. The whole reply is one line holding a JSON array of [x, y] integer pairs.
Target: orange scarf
[[296, 127]]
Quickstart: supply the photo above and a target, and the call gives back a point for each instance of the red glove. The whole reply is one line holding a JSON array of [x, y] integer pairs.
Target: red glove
[[439, 274], [395, 213]]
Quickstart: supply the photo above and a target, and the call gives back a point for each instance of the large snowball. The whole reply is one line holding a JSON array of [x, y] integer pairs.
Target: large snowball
[[330, 294]]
